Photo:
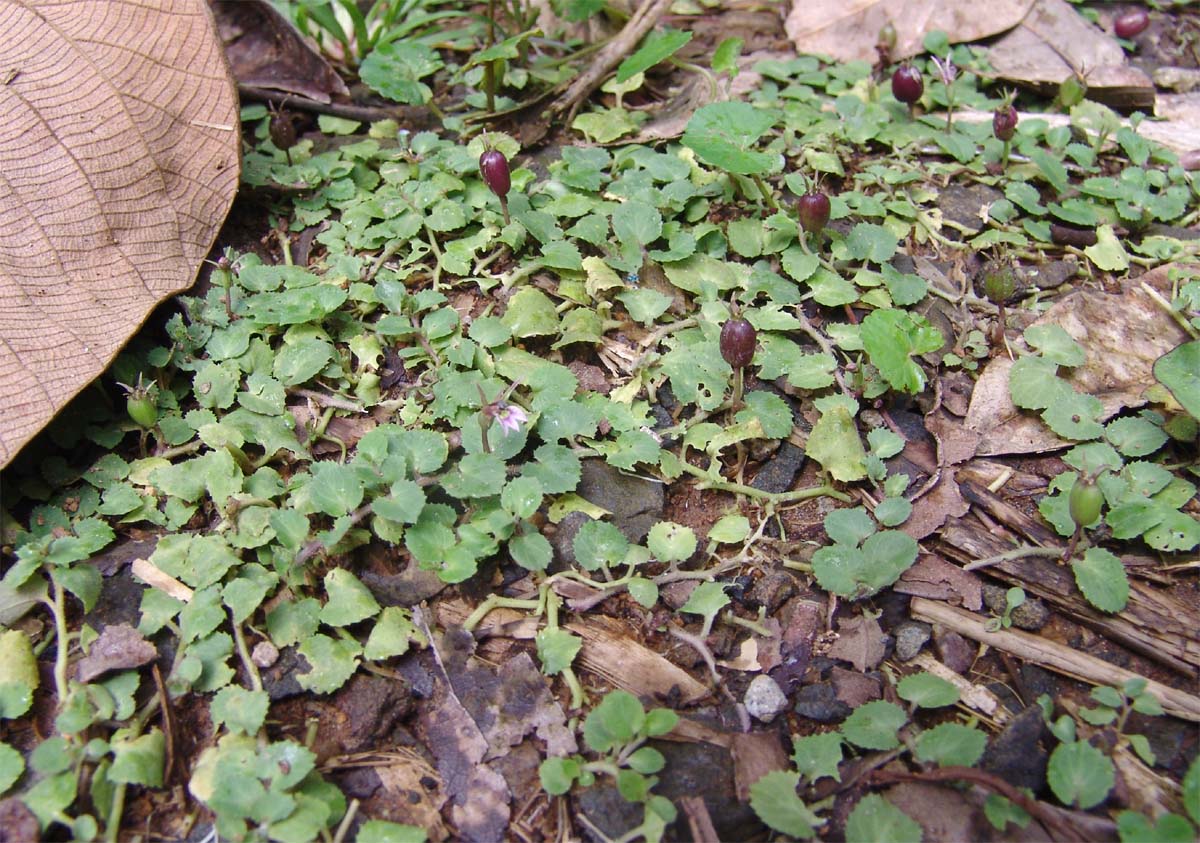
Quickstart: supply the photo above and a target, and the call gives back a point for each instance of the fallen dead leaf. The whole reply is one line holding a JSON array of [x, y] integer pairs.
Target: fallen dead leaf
[[265, 51], [860, 642], [1054, 42], [607, 649], [412, 801], [754, 755], [120, 161], [1122, 335], [943, 812], [931, 511], [478, 795], [119, 647], [854, 688], [848, 29]]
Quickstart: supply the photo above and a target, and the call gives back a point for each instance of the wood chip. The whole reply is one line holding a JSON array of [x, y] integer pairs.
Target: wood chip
[[608, 650], [155, 577], [1034, 648]]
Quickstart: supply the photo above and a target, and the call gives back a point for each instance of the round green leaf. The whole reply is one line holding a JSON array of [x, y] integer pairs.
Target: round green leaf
[[951, 745], [522, 496], [773, 797], [1101, 577], [556, 775], [875, 725], [349, 600], [1079, 774], [599, 543], [671, 542], [927, 691], [849, 526], [532, 551], [644, 591], [12, 765], [874, 818], [557, 648], [706, 599], [615, 721], [382, 831]]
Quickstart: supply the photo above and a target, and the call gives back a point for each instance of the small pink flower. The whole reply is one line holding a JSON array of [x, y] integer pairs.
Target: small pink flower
[[946, 70], [510, 416]]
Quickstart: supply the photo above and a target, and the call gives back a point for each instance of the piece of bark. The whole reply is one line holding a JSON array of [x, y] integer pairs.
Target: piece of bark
[[607, 650], [1057, 657], [1153, 623]]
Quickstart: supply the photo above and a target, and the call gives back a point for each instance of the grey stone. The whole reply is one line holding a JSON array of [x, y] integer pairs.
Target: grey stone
[[562, 540], [771, 591], [910, 638], [279, 680], [962, 204], [636, 504], [954, 650], [779, 473], [764, 699], [1016, 754], [1031, 615], [819, 702]]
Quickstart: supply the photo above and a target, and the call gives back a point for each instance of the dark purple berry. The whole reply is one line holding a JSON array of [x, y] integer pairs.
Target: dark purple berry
[[738, 339], [907, 85], [814, 211], [1132, 23], [494, 168], [1004, 122]]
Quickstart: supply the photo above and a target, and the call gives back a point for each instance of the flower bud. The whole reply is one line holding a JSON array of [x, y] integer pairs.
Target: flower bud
[[1004, 122]]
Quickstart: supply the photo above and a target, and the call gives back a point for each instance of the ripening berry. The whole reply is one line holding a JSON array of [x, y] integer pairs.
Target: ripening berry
[[1132, 23], [999, 283], [738, 339], [494, 168], [283, 130], [1004, 122], [814, 211], [907, 84]]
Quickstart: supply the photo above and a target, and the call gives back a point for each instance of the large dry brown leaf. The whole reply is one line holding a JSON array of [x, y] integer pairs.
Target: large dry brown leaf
[[1054, 42], [265, 51], [848, 29], [1122, 334], [118, 162]]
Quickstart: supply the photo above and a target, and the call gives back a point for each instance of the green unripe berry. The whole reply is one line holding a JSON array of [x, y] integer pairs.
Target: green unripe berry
[[1085, 502]]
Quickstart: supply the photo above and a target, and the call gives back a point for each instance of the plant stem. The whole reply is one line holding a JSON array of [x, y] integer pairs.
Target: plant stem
[[495, 601], [489, 68], [58, 608], [765, 191], [756, 628], [1017, 553], [774, 498]]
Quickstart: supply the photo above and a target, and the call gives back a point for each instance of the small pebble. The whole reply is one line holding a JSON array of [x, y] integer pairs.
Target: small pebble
[[764, 699], [954, 651], [265, 654], [1031, 615], [819, 702], [910, 638]]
